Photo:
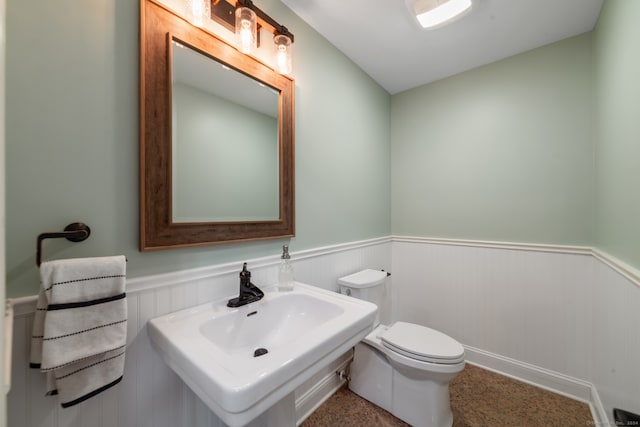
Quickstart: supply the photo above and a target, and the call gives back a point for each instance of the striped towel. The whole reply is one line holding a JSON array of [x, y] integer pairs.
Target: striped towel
[[80, 327]]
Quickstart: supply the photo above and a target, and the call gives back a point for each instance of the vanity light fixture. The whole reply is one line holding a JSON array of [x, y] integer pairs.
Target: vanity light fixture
[[436, 13], [246, 20]]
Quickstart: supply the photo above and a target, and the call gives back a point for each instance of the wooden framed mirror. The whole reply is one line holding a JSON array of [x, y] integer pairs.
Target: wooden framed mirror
[[215, 165]]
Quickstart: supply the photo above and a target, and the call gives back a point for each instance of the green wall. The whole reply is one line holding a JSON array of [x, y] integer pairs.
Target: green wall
[[503, 152], [617, 76], [72, 141], [540, 147]]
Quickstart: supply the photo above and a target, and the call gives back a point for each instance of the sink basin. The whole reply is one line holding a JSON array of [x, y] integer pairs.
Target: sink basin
[[241, 361], [273, 324]]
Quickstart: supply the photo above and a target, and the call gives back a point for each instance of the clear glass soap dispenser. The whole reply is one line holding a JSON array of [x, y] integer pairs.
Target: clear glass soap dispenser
[[285, 273]]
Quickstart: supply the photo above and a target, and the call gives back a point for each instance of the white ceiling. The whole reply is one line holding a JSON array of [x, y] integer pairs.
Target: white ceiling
[[388, 44]]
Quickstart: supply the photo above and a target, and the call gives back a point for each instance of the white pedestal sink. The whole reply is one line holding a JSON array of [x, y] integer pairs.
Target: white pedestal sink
[[246, 362]]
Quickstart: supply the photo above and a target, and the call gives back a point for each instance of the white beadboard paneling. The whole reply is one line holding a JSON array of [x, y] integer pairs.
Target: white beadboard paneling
[[629, 272], [616, 347], [531, 306], [17, 398], [109, 408], [568, 310], [126, 390], [303, 270], [150, 394], [549, 309], [145, 361]]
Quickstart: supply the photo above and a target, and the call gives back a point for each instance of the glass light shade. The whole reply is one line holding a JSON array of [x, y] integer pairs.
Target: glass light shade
[[282, 45], [200, 11], [435, 13], [246, 30]]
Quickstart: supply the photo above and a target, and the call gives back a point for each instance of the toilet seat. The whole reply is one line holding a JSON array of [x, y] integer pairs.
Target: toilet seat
[[421, 343]]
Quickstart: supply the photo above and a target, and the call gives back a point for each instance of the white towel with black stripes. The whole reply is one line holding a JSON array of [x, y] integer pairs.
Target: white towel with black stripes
[[80, 327]]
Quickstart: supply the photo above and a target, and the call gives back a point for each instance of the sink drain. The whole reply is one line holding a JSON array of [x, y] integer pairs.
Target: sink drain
[[260, 352]]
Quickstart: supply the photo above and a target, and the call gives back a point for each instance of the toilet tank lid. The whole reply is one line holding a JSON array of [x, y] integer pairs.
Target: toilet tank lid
[[363, 279]]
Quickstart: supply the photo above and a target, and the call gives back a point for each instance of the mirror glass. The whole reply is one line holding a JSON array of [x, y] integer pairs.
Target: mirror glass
[[224, 142]]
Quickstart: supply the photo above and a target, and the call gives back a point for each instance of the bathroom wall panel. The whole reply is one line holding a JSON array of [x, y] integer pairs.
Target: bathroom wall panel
[[527, 305], [616, 69], [500, 152], [570, 314], [127, 393], [151, 394], [616, 347]]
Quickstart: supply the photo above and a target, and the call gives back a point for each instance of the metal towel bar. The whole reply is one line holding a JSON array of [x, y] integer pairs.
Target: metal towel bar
[[75, 232]]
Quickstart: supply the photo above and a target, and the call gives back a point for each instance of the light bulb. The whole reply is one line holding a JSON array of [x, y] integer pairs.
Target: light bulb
[[200, 11], [282, 44], [246, 37], [246, 30]]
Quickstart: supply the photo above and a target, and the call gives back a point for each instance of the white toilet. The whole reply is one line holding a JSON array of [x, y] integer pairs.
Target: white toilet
[[403, 368]]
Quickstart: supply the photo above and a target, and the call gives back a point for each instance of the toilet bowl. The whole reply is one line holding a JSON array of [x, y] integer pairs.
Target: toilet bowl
[[403, 368]]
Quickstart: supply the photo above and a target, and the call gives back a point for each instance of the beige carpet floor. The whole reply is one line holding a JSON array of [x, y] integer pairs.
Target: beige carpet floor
[[479, 398]]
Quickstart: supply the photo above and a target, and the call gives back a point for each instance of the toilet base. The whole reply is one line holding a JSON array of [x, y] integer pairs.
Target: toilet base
[[418, 398]]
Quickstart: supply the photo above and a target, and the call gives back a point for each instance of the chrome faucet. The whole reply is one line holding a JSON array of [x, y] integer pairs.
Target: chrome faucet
[[248, 291]]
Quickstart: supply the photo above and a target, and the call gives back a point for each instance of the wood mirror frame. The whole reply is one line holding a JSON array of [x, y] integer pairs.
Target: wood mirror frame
[[158, 25]]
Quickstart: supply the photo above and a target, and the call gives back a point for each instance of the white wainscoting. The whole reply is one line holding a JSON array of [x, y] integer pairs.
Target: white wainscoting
[[151, 395], [616, 339], [534, 307], [563, 318]]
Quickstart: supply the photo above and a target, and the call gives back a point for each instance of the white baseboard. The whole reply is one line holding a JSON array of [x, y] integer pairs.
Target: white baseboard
[[598, 412], [549, 380]]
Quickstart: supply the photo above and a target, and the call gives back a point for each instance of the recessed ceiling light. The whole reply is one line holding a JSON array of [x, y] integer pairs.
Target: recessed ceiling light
[[435, 13]]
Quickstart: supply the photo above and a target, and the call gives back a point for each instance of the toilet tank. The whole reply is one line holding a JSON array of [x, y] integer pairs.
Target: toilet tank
[[366, 285]]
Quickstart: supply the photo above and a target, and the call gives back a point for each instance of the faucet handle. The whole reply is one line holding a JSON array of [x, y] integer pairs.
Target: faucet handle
[[245, 275]]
